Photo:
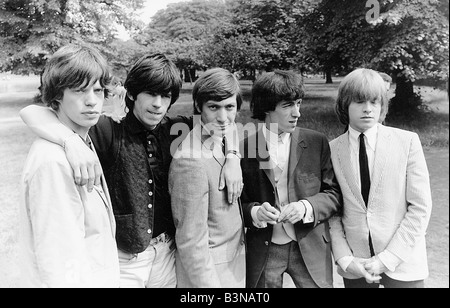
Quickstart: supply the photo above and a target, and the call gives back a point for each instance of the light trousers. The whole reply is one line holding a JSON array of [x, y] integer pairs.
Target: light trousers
[[152, 268]]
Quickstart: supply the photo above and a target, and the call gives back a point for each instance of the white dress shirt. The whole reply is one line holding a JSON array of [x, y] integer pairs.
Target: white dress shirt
[[279, 148]]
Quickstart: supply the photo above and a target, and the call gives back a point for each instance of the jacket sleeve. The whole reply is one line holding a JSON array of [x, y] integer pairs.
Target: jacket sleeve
[[189, 190], [105, 137], [247, 207], [328, 201], [339, 245], [418, 203]]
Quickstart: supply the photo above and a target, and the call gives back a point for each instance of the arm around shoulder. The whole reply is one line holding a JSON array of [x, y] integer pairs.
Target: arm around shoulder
[[44, 123]]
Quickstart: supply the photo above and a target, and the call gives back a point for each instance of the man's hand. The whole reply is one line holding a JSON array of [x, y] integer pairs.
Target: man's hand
[[117, 100], [231, 176], [293, 212], [85, 164], [375, 266], [357, 268], [267, 213]]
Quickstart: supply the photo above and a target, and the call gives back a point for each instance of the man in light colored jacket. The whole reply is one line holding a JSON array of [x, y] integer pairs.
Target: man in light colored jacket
[[380, 240], [67, 236], [209, 231]]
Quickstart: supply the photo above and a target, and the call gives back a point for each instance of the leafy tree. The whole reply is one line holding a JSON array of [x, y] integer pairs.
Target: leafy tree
[[406, 38], [335, 37], [182, 29], [240, 52], [417, 48], [31, 30], [190, 20], [273, 24]]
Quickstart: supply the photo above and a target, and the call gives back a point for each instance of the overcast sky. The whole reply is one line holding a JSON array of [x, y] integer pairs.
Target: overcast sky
[[153, 6]]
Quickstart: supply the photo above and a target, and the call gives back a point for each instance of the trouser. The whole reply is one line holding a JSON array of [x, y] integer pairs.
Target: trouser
[[152, 268], [288, 259]]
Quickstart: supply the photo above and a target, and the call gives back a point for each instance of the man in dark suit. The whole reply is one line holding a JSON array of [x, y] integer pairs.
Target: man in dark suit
[[290, 190]]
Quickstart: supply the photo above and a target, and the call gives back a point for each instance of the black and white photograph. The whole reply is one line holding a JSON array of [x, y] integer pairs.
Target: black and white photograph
[[214, 147]]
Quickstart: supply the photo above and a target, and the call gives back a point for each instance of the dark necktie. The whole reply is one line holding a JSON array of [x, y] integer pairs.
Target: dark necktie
[[365, 180], [224, 145], [364, 169]]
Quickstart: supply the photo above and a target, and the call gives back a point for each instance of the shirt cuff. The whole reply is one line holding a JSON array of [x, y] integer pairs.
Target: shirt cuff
[[389, 260], [256, 222], [344, 262], [309, 214]]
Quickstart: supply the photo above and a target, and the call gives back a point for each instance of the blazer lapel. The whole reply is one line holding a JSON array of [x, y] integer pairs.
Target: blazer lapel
[[209, 147], [263, 157], [298, 146], [104, 194], [104, 188], [219, 158], [381, 155], [347, 168]]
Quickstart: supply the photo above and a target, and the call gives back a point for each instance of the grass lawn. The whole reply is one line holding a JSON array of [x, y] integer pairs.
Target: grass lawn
[[317, 113]]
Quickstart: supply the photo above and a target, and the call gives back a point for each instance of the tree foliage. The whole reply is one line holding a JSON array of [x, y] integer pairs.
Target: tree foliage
[[183, 29], [406, 38], [417, 47], [190, 20], [31, 30], [241, 52], [418, 33], [335, 37], [272, 24]]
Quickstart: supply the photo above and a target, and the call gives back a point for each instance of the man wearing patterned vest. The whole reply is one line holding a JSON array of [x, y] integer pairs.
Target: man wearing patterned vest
[[135, 157]]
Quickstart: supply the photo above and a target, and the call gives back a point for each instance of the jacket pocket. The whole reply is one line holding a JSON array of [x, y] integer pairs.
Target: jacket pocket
[[222, 254]]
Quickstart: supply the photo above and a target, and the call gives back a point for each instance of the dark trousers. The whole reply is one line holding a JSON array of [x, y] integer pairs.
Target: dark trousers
[[386, 282], [285, 259]]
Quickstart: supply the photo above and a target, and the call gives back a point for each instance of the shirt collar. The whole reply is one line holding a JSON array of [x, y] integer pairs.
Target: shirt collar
[[210, 142], [88, 142], [136, 127], [273, 139], [371, 135]]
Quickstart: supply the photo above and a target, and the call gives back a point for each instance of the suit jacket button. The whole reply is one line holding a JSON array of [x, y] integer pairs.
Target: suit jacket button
[[266, 243]]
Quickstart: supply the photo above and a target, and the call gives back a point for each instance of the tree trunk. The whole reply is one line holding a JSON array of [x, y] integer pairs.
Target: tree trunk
[[405, 100], [189, 75], [329, 78]]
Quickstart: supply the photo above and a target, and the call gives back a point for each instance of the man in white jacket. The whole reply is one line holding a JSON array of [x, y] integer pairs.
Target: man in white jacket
[[67, 234], [383, 175]]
